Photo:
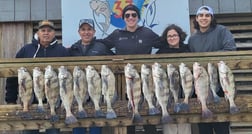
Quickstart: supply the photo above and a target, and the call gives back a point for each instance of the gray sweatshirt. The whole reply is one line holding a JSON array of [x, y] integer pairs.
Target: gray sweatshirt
[[218, 38]]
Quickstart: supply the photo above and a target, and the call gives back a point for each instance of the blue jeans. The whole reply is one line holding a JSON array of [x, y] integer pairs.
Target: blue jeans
[[48, 131], [82, 130]]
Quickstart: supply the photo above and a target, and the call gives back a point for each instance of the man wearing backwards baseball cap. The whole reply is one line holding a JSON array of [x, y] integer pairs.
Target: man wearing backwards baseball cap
[[210, 37]]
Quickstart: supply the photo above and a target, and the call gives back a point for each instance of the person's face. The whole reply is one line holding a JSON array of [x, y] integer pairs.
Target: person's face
[[131, 18], [204, 19], [173, 38], [46, 35], [86, 33]]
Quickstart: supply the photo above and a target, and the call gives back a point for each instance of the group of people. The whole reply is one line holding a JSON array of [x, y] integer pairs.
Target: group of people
[[133, 39]]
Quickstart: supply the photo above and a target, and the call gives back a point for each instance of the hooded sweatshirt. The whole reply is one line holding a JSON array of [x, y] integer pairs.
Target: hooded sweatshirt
[[214, 39]]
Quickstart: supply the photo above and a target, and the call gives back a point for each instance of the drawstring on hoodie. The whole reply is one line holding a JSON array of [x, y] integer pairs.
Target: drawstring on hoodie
[[34, 56]]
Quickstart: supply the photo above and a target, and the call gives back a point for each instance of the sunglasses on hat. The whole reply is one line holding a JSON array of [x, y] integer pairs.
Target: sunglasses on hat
[[134, 15]]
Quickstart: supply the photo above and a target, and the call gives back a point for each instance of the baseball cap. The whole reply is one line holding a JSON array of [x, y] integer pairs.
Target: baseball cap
[[205, 9], [87, 21], [46, 23], [130, 7]]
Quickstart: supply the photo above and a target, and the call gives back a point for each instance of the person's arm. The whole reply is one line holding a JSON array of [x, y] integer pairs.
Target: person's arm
[[110, 39], [228, 40]]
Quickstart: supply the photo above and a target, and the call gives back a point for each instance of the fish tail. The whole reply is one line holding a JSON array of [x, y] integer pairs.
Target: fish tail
[[82, 114], [206, 113], [137, 118], [70, 119], [153, 111], [184, 106], [111, 114], [166, 119]]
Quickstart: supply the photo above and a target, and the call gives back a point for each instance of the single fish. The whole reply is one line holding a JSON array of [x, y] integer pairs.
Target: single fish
[[94, 89], [25, 91], [38, 86], [66, 93], [52, 91], [161, 90], [133, 89], [108, 90], [173, 78], [201, 83], [148, 88], [213, 81], [226, 78], [80, 89], [186, 79]]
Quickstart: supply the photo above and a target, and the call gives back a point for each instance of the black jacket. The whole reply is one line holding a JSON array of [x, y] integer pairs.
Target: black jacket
[[125, 42], [166, 49], [93, 49], [30, 51]]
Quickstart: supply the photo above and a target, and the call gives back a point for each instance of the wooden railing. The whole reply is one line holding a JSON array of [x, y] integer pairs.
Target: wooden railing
[[239, 61]]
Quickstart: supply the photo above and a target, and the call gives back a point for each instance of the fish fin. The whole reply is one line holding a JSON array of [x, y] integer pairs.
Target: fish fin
[[154, 111], [111, 114], [137, 118], [129, 106], [234, 110], [54, 118], [207, 113], [82, 114], [184, 107], [70, 120], [99, 114], [166, 119], [40, 109]]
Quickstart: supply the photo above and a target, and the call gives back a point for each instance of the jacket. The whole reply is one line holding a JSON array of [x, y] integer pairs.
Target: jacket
[[216, 38], [32, 50], [166, 49], [125, 42], [93, 49]]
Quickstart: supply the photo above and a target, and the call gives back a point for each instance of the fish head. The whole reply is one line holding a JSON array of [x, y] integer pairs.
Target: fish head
[[104, 70], [145, 69], [129, 70], [170, 69], [157, 71], [77, 72], [223, 69], [62, 72], [37, 72], [197, 70], [90, 71]]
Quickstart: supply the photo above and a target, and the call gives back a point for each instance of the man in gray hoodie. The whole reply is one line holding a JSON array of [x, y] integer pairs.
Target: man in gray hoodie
[[210, 37]]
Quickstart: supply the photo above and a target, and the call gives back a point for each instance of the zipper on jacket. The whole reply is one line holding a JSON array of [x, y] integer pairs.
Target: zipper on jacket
[[44, 52]]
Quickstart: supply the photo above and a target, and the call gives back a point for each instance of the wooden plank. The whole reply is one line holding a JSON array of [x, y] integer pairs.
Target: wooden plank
[[53, 9], [213, 4], [9, 120], [38, 9], [194, 5], [6, 10], [239, 27], [242, 35], [22, 10], [244, 45], [227, 6], [244, 6]]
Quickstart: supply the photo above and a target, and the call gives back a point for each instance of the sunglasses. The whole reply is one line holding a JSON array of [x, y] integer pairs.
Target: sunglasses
[[134, 15]]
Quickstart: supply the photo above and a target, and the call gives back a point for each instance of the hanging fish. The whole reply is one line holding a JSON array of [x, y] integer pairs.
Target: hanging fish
[[94, 89], [201, 83], [213, 81], [227, 82], [25, 91], [108, 90], [133, 89], [52, 91], [80, 89], [148, 88], [161, 90], [38, 86], [186, 79], [66, 93], [173, 78]]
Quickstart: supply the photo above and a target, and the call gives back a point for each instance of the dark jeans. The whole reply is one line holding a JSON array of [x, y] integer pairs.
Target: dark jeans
[[217, 127], [92, 130], [148, 129], [48, 131]]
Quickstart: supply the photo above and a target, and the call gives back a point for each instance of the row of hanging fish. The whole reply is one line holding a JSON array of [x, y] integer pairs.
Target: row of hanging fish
[[67, 86], [154, 83], [166, 84]]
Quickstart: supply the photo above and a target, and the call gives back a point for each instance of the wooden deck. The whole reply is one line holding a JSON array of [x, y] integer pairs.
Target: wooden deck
[[239, 61]]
